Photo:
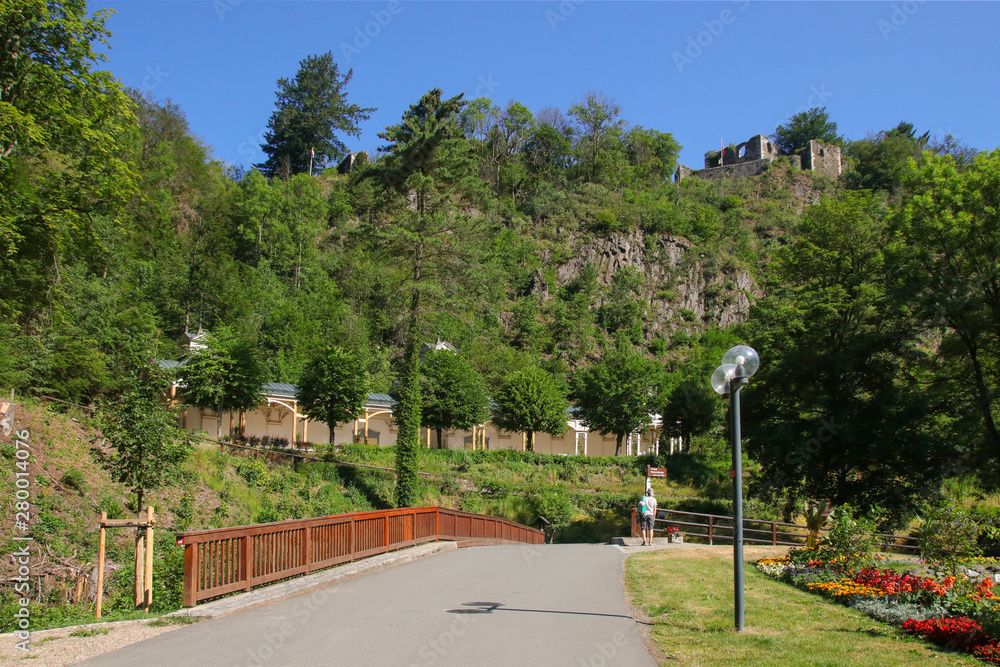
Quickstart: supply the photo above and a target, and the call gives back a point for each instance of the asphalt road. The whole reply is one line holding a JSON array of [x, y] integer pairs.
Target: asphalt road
[[509, 605]]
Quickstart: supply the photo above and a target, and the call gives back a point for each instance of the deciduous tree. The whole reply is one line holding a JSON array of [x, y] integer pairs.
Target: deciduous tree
[[333, 387], [147, 447], [453, 392], [616, 395], [530, 401], [227, 375]]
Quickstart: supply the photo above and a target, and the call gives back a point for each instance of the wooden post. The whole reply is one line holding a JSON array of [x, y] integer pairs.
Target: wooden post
[[248, 559], [139, 566], [191, 574], [100, 565], [148, 580], [366, 426]]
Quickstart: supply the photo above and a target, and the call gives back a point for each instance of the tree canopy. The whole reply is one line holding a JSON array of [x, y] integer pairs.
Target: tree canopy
[[453, 393], [531, 401], [227, 375], [311, 110], [803, 127], [616, 394], [333, 387]]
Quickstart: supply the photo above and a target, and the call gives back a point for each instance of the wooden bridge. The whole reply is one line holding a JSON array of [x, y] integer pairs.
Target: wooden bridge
[[225, 560]]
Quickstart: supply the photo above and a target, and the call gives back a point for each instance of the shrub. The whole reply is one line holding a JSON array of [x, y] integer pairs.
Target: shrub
[[851, 541], [73, 479], [895, 613], [949, 534], [254, 472]]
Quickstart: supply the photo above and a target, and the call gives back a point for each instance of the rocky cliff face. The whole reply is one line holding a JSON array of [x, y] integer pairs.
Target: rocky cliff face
[[681, 284]]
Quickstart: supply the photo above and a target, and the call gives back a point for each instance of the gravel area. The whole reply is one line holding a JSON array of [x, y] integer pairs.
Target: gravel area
[[57, 647]]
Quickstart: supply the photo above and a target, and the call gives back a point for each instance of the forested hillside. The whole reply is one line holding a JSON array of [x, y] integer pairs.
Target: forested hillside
[[526, 238]]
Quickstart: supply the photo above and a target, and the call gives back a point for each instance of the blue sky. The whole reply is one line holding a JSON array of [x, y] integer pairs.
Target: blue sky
[[704, 71]]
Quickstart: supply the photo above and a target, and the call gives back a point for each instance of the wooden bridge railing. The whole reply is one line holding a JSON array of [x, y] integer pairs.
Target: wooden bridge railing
[[714, 528], [224, 560]]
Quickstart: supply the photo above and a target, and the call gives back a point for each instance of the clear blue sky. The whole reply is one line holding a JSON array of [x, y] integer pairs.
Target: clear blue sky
[[934, 64]]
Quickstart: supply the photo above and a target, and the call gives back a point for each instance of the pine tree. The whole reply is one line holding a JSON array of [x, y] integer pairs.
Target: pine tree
[[311, 109]]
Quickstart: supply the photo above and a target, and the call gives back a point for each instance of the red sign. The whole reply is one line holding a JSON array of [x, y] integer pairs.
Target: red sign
[[656, 472]]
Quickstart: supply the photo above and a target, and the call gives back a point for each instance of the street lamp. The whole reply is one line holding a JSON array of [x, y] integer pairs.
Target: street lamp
[[738, 364]]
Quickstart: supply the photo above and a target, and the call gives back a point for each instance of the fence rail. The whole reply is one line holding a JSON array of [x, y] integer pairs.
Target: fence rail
[[224, 560], [715, 528]]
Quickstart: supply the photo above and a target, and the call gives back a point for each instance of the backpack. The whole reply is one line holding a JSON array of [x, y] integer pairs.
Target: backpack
[[641, 507]]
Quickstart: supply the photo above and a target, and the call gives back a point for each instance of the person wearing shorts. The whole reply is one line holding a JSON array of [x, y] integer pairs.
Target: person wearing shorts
[[646, 520]]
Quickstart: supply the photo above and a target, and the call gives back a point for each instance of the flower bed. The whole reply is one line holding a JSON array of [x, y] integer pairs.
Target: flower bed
[[960, 612]]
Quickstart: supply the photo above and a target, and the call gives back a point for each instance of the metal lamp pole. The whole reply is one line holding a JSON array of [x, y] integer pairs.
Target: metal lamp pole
[[738, 364], [739, 381]]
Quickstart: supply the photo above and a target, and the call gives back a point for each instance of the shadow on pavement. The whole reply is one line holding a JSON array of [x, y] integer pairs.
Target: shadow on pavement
[[490, 607]]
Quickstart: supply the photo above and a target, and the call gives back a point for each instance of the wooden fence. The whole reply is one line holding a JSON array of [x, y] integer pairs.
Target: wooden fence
[[224, 560], [714, 528]]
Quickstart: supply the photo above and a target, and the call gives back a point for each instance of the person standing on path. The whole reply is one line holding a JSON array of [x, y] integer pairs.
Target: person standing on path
[[646, 520]]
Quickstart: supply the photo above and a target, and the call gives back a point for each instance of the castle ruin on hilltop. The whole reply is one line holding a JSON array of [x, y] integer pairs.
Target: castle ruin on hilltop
[[756, 155]]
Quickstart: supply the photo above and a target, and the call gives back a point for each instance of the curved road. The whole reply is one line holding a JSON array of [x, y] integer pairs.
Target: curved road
[[508, 605]]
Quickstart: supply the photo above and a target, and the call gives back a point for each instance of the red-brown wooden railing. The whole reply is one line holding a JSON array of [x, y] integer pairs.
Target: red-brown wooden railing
[[714, 528], [224, 560]]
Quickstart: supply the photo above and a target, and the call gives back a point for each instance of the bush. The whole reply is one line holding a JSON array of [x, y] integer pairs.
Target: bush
[[254, 472], [73, 479], [851, 542], [896, 613], [949, 534]]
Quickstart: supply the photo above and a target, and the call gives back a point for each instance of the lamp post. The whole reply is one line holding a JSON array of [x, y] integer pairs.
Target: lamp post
[[738, 364]]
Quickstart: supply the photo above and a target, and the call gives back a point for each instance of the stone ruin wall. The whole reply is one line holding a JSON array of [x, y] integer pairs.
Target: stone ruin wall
[[755, 156]]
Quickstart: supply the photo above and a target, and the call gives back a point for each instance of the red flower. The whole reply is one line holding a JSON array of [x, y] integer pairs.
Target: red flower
[[961, 632]]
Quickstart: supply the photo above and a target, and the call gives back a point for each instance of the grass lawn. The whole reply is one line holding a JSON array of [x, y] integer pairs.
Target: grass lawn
[[688, 595]]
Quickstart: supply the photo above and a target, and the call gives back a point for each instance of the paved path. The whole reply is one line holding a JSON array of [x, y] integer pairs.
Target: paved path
[[509, 605]]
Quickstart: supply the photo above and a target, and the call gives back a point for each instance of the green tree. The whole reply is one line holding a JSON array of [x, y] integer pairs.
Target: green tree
[[432, 242], [67, 134], [227, 375], [147, 447], [691, 408], [949, 233], [598, 128], [333, 387], [803, 127], [311, 109], [530, 401], [836, 409], [617, 394], [881, 160], [453, 393]]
